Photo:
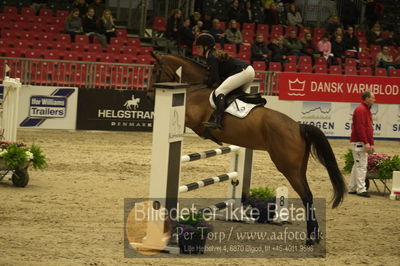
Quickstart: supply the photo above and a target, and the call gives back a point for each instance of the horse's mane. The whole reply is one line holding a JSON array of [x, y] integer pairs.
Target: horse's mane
[[191, 60]]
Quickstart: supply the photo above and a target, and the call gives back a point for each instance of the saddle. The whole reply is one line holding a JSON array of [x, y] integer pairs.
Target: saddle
[[252, 98]]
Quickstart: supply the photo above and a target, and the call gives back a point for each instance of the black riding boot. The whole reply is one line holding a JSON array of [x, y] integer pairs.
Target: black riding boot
[[217, 116]]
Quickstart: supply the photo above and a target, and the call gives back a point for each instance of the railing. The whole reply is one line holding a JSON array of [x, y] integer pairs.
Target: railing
[[98, 75], [77, 73]]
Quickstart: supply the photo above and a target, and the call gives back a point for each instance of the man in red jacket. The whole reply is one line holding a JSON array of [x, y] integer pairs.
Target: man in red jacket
[[362, 143]]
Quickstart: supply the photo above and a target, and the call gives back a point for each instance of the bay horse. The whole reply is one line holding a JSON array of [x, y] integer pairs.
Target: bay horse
[[288, 143]]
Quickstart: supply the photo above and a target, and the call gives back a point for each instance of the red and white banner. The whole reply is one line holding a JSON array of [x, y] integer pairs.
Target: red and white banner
[[337, 88]]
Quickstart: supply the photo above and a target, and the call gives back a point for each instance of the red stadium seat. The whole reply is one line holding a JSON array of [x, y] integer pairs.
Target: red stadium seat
[[126, 58], [122, 33], [320, 69], [89, 57], [82, 39], [292, 59], [365, 71], [335, 70], [28, 11], [350, 62], [305, 60], [365, 62], [133, 41], [276, 29], [248, 26], [263, 27], [320, 61], [290, 67], [350, 70], [159, 24], [244, 56], [62, 13], [305, 68], [43, 12], [394, 72], [230, 48], [275, 67], [380, 72], [10, 9], [118, 41], [259, 65]]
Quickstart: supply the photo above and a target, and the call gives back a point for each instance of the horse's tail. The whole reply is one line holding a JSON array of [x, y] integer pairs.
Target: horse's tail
[[322, 150]]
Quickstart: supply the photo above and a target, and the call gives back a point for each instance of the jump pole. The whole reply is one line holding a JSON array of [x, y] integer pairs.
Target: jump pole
[[9, 115]]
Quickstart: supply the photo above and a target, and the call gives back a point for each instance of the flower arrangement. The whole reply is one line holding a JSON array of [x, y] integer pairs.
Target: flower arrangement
[[263, 199], [17, 155], [379, 165], [192, 230]]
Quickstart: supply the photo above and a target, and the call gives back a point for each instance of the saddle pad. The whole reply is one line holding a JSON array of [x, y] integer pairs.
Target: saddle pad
[[237, 108]]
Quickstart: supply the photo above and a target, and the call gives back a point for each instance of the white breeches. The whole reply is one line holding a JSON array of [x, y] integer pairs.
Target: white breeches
[[237, 80], [359, 170]]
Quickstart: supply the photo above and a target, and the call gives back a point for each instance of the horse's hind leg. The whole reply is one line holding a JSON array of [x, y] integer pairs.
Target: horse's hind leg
[[294, 168]]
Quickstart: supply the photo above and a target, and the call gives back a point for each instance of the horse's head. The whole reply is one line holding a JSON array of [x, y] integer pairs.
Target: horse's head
[[165, 67]]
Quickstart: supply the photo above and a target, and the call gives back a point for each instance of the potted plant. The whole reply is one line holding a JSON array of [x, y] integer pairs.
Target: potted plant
[[17, 157], [263, 199], [380, 166], [192, 230]]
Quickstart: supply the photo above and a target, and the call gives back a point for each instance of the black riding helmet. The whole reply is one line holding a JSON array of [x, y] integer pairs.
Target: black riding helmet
[[205, 39]]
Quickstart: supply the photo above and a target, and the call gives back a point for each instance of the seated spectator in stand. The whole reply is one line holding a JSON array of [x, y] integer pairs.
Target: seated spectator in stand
[[374, 37], [194, 18], [385, 60], [338, 31], [73, 24], [217, 32], [325, 47], [338, 49], [233, 34], [293, 45], [98, 7], [235, 12], [207, 22], [333, 24], [350, 40], [294, 17], [259, 50], [173, 23], [107, 26], [91, 27], [38, 4], [308, 45], [197, 29], [277, 50], [186, 36], [247, 13], [271, 14], [81, 5]]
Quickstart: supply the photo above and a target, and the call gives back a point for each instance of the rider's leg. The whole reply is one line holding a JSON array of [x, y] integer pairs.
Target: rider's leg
[[233, 82]]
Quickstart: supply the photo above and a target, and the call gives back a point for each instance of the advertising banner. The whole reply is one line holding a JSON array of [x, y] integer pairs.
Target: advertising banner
[[100, 109], [335, 119], [47, 107], [337, 88]]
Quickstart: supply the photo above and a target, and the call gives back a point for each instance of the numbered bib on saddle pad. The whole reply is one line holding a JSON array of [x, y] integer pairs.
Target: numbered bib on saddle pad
[[238, 107]]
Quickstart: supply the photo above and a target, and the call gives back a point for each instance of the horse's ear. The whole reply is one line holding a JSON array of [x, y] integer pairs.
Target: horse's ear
[[156, 56]]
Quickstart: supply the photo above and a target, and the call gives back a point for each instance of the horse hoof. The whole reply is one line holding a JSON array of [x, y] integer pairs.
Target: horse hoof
[[309, 242]]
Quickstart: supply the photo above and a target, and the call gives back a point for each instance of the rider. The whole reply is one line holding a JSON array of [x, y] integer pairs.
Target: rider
[[226, 74]]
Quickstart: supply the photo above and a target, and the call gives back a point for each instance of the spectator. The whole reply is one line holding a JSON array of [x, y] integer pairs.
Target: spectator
[[38, 4], [220, 10], [235, 12], [173, 23], [217, 32], [362, 142], [98, 7], [207, 23], [293, 45], [259, 50], [271, 14], [333, 24], [91, 27], [294, 17], [197, 29], [107, 26], [81, 5], [338, 49], [247, 13], [277, 51], [194, 18], [338, 31], [350, 40], [325, 47], [385, 60], [350, 13], [233, 34], [308, 45], [373, 11], [73, 24], [374, 36], [186, 36]]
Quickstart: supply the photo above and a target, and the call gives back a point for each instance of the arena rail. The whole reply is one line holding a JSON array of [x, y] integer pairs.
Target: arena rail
[[83, 74]]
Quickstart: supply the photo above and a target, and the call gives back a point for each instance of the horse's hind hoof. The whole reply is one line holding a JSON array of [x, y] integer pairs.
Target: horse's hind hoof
[[309, 242]]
